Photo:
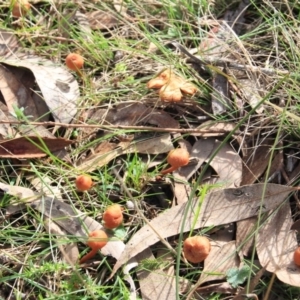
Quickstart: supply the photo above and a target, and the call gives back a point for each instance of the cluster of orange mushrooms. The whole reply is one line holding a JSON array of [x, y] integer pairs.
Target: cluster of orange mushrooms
[[171, 89], [195, 248]]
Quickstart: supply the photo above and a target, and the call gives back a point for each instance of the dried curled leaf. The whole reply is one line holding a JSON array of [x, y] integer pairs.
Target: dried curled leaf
[[171, 86]]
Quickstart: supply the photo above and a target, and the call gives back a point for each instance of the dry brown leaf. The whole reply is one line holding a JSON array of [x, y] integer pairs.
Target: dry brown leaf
[[121, 7], [20, 192], [101, 159], [27, 195], [136, 113], [129, 114], [276, 244], [256, 161], [156, 145], [251, 91], [8, 38], [15, 86], [45, 186], [228, 164], [201, 150], [156, 284], [221, 258], [296, 226], [220, 99], [6, 131], [101, 20], [276, 166], [244, 229], [101, 149], [214, 127], [15, 92], [31, 146], [212, 45], [220, 207], [83, 25], [222, 288], [68, 249], [221, 40], [199, 153], [58, 86], [182, 189]]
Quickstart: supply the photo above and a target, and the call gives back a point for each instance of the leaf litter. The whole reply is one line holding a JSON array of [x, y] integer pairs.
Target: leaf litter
[[276, 244], [36, 88], [235, 204], [58, 86], [59, 218]]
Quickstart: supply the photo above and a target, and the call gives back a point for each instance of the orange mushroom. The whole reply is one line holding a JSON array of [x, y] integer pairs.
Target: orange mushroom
[[83, 183], [74, 62], [160, 80], [171, 92], [97, 240], [113, 216], [196, 248], [171, 86], [177, 158], [20, 8], [297, 257]]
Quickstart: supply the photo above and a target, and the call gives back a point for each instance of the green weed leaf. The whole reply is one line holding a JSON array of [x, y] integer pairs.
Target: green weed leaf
[[237, 276]]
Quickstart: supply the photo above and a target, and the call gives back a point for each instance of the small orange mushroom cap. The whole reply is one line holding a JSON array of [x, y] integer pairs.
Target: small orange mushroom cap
[[297, 257], [74, 61], [177, 158], [113, 216], [83, 183], [97, 240], [20, 8], [196, 248]]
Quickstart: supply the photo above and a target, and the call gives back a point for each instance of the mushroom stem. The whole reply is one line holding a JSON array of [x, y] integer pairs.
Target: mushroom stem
[[169, 170], [88, 256]]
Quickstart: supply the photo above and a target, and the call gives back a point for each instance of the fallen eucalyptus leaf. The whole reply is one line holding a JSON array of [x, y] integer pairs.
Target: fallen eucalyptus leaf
[[31, 146], [58, 86], [154, 145], [220, 207], [276, 244]]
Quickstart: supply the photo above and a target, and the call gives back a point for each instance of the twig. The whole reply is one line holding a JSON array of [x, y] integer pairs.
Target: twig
[[110, 127]]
